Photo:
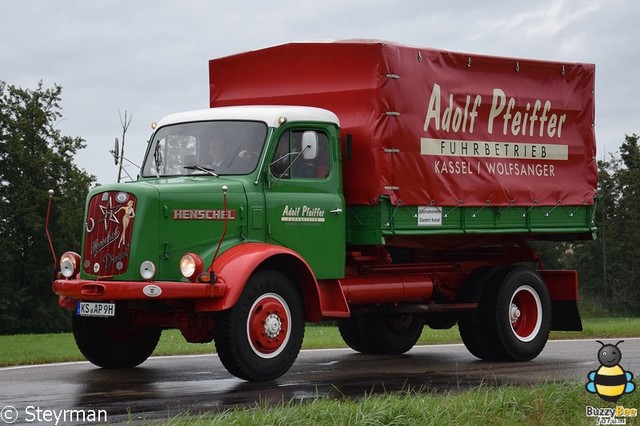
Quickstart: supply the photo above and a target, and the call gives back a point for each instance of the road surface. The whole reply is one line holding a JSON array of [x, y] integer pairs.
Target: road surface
[[162, 387]]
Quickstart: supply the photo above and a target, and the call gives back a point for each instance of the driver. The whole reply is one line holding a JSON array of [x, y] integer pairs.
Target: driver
[[216, 155]]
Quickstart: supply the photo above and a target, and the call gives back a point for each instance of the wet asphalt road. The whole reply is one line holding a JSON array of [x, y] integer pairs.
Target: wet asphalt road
[[165, 386]]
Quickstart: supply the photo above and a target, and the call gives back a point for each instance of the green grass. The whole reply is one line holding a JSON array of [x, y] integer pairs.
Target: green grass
[[38, 349], [549, 404], [47, 348]]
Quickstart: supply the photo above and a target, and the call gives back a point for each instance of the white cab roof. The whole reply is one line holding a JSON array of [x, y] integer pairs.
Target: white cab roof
[[268, 114]]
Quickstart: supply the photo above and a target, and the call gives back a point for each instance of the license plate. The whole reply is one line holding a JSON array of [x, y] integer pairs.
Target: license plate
[[94, 309]]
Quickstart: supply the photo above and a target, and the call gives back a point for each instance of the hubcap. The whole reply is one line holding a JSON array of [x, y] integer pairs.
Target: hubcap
[[272, 326], [268, 325], [515, 313], [525, 313]]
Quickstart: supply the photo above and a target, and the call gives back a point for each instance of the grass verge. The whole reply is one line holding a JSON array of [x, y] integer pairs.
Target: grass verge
[[549, 404]]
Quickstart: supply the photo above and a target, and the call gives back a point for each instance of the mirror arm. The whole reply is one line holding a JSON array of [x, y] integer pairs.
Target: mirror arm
[[288, 167]]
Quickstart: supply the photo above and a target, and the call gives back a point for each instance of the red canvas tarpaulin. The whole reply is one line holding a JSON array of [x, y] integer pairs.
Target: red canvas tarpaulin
[[431, 127]]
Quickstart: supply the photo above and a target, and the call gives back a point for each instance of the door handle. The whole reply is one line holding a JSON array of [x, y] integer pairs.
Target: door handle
[[336, 211]]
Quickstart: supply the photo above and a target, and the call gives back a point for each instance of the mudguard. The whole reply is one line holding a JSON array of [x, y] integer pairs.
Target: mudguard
[[234, 267], [563, 290]]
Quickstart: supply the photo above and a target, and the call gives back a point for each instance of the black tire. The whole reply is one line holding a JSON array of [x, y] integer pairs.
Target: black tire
[[523, 314], [112, 343], [350, 332], [260, 337], [494, 332], [477, 328], [389, 334]]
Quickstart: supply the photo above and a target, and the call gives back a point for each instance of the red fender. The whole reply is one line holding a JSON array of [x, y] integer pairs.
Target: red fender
[[234, 267]]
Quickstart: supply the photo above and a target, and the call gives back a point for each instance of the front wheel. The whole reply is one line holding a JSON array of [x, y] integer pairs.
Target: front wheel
[[260, 337], [112, 342]]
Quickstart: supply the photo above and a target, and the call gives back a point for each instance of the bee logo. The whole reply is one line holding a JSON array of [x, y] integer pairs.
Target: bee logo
[[610, 381]]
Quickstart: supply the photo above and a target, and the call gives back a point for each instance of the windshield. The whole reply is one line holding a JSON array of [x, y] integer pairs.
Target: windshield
[[205, 147]]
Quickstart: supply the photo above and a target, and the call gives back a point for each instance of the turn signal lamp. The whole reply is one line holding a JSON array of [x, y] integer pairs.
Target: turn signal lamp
[[191, 266], [69, 264], [207, 277]]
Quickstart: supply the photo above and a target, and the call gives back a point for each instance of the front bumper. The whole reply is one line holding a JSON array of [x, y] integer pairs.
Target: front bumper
[[136, 290]]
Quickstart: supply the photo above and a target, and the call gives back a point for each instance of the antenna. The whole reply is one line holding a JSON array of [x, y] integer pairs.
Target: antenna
[[124, 122]]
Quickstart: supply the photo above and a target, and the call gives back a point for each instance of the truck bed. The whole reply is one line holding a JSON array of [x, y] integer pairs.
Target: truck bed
[[452, 142]]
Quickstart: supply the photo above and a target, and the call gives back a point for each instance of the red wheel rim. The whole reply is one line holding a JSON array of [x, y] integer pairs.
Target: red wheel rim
[[525, 313], [268, 325]]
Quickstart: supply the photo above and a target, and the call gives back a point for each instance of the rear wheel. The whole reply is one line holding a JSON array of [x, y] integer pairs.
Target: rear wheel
[[523, 314], [513, 317], [477, 328], [112, 342], [350, 332], [260, 337], [390, 334]]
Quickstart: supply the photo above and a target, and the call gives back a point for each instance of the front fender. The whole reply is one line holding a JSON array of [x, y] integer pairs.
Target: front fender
[[234, 267]]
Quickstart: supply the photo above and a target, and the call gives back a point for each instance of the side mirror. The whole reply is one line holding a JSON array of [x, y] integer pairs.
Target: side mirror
[[309, 145], [157, 156]]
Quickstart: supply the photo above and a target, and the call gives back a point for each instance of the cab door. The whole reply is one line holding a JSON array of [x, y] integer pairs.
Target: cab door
[[305, 204]]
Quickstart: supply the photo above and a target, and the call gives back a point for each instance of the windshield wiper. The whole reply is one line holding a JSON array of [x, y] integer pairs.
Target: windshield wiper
[[202, 169]]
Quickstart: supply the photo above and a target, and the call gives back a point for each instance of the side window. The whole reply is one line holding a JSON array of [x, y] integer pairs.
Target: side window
[[289, 162]]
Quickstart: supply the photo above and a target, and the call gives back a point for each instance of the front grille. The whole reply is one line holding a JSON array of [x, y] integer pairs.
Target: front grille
[[107, 246]]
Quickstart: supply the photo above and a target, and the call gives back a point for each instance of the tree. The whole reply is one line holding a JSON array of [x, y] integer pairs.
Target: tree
[[627, 224], [35, 157], [609, 267]]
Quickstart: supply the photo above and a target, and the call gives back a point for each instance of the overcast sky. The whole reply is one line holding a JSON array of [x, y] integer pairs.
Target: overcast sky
[[150, 57]]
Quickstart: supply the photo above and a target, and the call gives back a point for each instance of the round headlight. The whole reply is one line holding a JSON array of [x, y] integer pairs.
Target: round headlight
[[147, 270], [191, 266], [69, 264]]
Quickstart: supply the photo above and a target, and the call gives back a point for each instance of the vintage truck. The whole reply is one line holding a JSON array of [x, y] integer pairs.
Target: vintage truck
[[381, 186]]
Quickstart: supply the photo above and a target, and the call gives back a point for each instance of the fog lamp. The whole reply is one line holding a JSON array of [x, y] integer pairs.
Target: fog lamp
[[69, 264], [147, 270]]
